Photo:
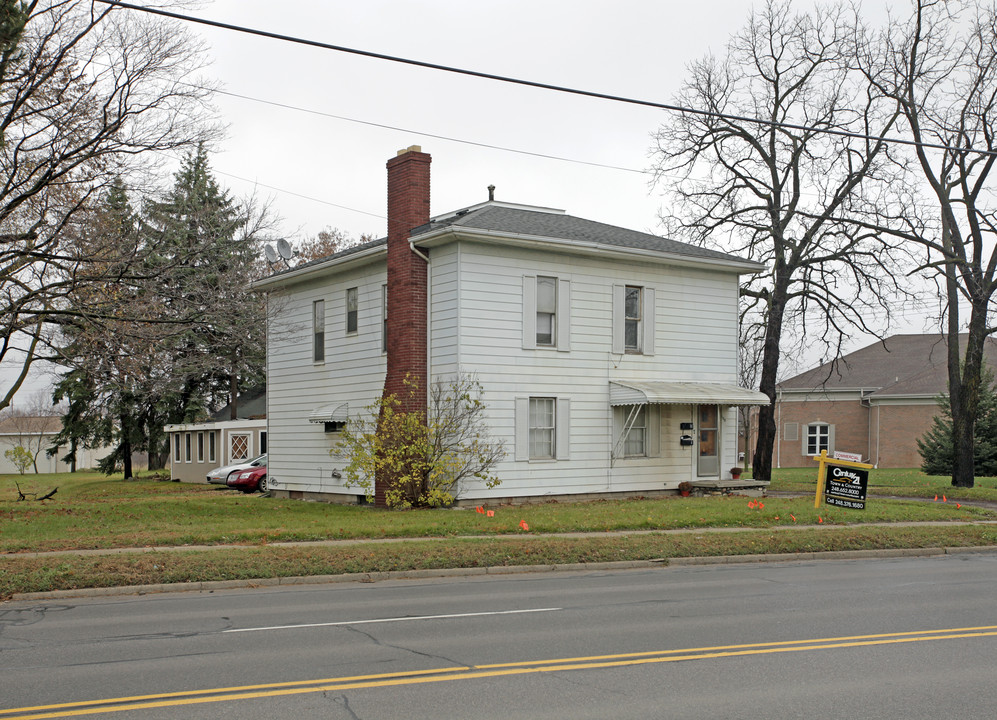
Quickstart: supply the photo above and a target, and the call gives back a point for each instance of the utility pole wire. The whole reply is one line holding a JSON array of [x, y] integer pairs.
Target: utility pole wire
[[540, 85]]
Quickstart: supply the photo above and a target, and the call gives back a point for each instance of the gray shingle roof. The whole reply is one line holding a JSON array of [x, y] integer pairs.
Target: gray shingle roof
[[900, 365], [522, 221], [545, 224]]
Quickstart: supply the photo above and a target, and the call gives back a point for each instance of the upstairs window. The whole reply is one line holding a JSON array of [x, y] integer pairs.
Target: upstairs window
[[632, 304], [633, 320], [351, 310], [546, 310], [318, 331], [546, 313]]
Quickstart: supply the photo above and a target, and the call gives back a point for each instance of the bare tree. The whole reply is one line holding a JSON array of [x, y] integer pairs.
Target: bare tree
[[88, 93], [940, 66], [769, 169]]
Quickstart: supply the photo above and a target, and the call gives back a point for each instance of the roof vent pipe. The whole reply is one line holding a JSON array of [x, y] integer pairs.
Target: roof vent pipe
[[491, 193]]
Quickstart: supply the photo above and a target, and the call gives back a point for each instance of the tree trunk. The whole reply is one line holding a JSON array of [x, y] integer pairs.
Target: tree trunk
[[964, 423], [761, 464], [234, 393], [126, 446]]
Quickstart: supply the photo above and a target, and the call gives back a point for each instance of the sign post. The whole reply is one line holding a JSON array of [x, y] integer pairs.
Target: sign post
[[842, 483]]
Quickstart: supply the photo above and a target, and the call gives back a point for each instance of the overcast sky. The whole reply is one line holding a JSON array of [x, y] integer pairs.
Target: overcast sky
[[279, 101]]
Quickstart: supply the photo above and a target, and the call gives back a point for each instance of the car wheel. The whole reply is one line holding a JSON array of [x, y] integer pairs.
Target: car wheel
[[263, 484]]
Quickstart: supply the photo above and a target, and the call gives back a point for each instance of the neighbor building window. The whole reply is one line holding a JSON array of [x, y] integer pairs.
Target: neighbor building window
[[351, 310], [200, 447], [176, 448], [263, 442], [186, 447], [542, 428], [632, 318], [818, 438], [212, 452], [318, 330], [546, 310]]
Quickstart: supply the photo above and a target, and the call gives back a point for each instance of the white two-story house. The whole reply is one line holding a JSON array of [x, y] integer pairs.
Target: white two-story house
[[608, 357]]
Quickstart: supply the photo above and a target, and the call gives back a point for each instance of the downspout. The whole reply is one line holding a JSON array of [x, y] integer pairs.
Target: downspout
[[778, 429], [429, 318]]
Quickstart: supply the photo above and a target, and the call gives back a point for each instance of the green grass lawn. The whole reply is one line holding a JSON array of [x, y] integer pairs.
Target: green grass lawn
[[93, 511], [906, 482]]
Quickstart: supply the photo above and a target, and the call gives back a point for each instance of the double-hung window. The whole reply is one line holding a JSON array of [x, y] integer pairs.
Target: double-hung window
[[633, 319], [635, 442], [318, 331], [543, 443], [351, 311], [542, 428], [546, 313], [636, 431], [632, 316]]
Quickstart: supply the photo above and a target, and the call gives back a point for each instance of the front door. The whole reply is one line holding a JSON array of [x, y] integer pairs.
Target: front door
[[708, 464]]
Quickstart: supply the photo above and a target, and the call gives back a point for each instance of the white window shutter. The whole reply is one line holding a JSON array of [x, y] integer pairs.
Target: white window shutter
[[653, 440], [649, 326], [619, 321], [529, 312], [522, 428], [563, 315], [830, 439], [563, 449]]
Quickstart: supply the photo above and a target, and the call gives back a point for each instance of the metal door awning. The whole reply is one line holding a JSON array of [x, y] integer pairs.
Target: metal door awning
[[656, 392]]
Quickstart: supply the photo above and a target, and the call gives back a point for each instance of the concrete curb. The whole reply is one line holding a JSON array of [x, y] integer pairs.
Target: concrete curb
[[212, 586]]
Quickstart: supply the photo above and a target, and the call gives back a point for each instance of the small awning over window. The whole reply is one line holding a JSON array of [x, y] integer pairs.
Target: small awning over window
[[651, 392], [337, 412]]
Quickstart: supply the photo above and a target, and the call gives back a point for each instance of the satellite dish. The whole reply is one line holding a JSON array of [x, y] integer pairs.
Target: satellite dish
[[284, 248], [270, 253]]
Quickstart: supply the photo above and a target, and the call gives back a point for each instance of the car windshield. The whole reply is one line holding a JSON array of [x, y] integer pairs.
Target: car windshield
[[260, 461]]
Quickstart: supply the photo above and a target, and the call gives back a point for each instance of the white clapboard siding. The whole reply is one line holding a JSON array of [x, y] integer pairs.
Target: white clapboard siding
[[695, 339], [353, 372], [476, 325]]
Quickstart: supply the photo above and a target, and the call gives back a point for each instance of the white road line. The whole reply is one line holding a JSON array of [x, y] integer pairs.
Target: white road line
[[387, 620]]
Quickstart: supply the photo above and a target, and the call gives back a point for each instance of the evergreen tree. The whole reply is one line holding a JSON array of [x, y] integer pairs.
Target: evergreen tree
[[936, 446]]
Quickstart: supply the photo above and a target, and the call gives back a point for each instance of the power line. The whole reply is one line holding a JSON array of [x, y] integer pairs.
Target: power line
[[536, 84], [475, 143]]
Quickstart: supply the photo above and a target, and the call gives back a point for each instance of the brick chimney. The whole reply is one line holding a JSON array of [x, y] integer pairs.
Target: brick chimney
[[408, 208]]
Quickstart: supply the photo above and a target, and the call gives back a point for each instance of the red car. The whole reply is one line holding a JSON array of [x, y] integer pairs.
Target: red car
[[249, 480]]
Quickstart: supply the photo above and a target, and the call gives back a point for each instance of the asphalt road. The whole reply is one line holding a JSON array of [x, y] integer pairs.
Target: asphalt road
[[871, 638]]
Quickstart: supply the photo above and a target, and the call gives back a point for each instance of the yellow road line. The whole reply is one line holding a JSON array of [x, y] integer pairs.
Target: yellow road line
[[247, 692]]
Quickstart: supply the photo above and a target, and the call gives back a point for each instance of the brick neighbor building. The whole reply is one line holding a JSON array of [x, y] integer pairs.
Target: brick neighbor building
[[876, 401]]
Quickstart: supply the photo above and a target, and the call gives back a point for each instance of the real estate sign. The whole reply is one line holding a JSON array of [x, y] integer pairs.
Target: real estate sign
[[841, 483], [845, 486]]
